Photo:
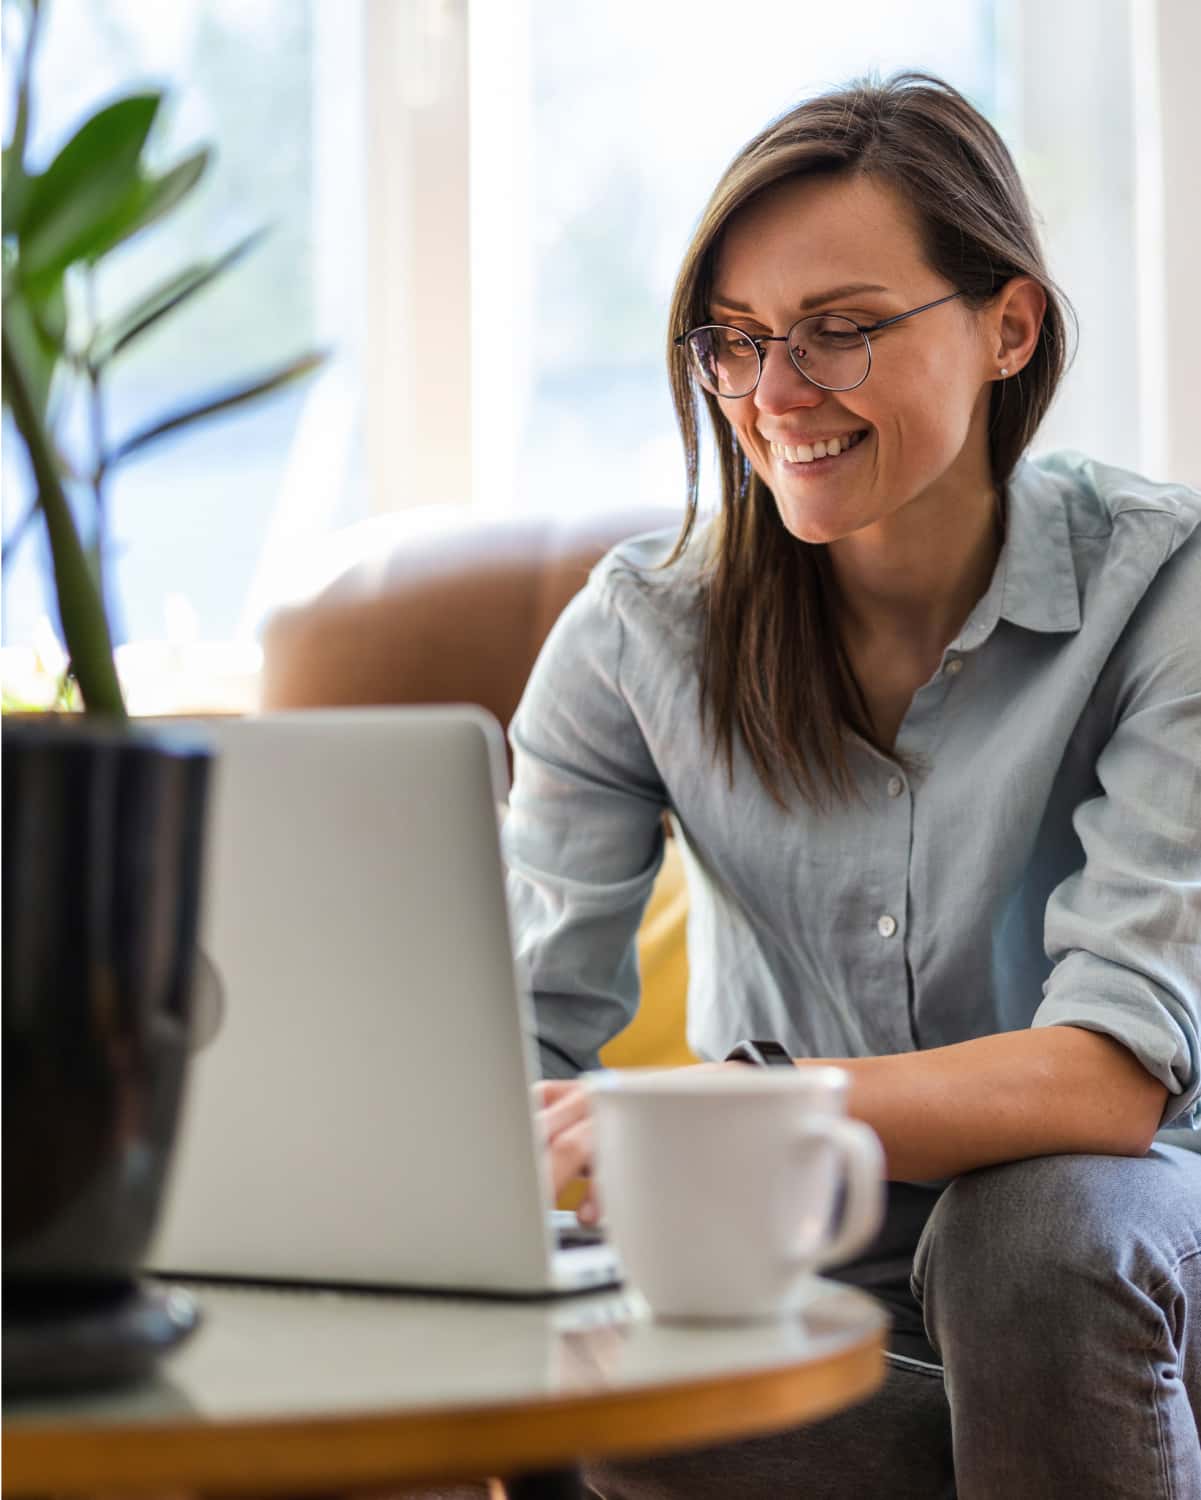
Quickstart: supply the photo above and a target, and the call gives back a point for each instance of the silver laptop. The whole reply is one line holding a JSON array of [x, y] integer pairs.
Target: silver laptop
[[358, 1108]]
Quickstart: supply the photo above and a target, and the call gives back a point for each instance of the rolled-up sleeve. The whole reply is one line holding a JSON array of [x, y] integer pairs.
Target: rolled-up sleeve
[[1124, 931], [583, 839]]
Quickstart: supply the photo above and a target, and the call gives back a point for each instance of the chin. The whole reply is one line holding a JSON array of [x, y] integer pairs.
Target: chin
[[801, 523]]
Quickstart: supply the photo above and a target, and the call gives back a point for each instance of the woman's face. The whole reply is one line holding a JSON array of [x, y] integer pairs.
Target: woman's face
[[922, 413]]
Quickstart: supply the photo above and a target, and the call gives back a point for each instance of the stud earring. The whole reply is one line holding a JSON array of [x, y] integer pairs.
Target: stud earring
[[1004, 372]]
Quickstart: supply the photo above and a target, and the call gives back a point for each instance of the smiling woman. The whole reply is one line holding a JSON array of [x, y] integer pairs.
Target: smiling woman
[[924, 714], [916, 431], [789, 229]]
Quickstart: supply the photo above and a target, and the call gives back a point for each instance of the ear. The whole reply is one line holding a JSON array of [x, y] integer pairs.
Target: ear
[[1015, 321]]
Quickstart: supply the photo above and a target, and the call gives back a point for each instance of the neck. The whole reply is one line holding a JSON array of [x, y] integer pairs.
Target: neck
[[913, 577]]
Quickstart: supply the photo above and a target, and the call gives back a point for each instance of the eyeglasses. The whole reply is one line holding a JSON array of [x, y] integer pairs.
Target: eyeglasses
[[829, 350]]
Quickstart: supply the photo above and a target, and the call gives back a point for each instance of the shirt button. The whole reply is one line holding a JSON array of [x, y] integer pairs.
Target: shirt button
[[895, 786], [954, 666], [886, 926]]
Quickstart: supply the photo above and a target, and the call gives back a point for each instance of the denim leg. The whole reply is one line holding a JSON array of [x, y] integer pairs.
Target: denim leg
[[896, 1445], [1063, 1295]]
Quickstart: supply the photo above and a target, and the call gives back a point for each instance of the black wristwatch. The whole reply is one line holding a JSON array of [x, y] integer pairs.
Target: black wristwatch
[[761, 1055]]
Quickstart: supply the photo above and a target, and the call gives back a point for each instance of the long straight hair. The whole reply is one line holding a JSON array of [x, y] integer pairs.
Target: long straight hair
[[773, 667]]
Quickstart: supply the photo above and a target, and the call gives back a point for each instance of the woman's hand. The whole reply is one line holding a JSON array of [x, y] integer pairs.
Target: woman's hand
[[565, 1123]]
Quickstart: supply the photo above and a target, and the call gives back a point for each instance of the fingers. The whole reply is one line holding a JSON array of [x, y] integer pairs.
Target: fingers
[[565, 1124], [562, 1106], [589, 1209], [570, 1155], [549, 1090]]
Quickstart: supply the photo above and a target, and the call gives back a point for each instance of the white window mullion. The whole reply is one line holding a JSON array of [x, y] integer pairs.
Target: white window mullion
[[502, 244], [322, 479], [1074, 140], [1167, 37], [417, 291]]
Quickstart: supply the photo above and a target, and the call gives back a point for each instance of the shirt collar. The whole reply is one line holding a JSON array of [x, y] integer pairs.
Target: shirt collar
[[1034, 582]]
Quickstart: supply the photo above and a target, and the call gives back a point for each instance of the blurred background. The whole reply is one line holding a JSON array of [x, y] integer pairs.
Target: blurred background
[[479, 207]]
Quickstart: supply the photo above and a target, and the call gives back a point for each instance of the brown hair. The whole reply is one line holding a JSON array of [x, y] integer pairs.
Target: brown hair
[[773, 664]]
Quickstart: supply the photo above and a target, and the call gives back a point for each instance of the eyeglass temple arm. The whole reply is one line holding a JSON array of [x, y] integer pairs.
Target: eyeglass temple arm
[[780, 338], [912, 313]]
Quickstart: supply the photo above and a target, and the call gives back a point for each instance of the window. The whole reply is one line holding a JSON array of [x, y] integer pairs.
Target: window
[[624, 134], [481, 207], [189, 518], [628, 133]]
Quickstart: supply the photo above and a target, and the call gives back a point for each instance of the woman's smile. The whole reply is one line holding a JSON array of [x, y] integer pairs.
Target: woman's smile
[[818, 456]]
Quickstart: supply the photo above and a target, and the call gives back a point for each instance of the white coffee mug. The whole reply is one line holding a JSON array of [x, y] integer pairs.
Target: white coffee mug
[[718, 1188]]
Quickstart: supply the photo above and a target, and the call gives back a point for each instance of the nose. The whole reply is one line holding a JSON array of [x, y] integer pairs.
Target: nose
[[782, 387]]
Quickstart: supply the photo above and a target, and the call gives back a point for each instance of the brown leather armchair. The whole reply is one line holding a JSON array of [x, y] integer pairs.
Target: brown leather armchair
[[438, 608]]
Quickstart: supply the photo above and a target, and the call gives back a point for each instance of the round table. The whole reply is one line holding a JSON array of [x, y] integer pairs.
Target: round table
[[305, 1391]]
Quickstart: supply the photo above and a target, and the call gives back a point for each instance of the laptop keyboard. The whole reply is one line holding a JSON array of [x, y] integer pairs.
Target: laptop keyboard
[[570, 1234]]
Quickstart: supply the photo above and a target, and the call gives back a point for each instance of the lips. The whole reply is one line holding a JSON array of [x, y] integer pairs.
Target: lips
[[830, 447]]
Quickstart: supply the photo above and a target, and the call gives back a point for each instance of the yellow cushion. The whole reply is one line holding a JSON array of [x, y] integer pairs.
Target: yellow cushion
[[656, 1035], [656, 1038]]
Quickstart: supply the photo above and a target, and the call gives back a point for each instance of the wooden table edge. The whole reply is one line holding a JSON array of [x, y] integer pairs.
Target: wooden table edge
[[433, 1445]]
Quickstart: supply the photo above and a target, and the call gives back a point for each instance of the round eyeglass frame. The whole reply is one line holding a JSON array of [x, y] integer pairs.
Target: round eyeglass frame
[[681, 341]]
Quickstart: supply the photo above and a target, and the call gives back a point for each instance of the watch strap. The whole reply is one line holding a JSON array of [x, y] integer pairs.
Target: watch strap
[[760, 1054]]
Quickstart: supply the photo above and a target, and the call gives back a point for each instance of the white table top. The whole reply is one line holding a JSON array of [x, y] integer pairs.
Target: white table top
[[268, 1352], [352, 1368]]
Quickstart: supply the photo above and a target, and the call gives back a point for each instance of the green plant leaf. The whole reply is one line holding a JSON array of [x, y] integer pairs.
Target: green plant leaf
[[151, 199], [37, 327], [96, 169], [163, 299], [147, 200], [222, 401], [15, 191]]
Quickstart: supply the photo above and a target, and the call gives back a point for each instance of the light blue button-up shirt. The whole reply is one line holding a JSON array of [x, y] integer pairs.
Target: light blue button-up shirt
[[1041, 866]]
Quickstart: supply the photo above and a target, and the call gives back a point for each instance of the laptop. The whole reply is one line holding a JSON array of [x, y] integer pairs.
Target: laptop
[[358, 1107]]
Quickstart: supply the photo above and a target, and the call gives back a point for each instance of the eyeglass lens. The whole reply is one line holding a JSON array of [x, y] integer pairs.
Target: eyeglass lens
[[829, 350]]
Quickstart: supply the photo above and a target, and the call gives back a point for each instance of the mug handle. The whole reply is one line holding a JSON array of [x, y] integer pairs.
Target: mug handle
[[862, 1157]]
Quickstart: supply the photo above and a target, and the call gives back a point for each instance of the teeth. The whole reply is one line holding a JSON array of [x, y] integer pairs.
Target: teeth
[[803, 453]]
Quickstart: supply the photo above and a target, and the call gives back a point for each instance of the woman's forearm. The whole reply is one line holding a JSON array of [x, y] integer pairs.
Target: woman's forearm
[[1039, 1092]]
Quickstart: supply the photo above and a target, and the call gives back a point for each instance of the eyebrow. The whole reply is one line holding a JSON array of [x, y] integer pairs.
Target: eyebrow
[[835, 294]]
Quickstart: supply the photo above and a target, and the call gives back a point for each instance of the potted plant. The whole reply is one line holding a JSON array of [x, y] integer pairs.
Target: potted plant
[[103, 820]]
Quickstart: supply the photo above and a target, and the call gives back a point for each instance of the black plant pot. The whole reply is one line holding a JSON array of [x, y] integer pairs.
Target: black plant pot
[[102, 846]]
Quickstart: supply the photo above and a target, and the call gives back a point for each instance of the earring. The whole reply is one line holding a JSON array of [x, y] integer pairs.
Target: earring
[[1004, 372]]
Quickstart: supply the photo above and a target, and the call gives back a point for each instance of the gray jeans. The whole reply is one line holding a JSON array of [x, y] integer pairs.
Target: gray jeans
[[1046, 1345]]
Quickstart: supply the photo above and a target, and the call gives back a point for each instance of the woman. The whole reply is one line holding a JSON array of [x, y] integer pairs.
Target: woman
[[927, 718]]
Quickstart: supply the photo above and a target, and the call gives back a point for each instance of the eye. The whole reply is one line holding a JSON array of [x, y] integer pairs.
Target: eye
[[831, 332], [738, 345]]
